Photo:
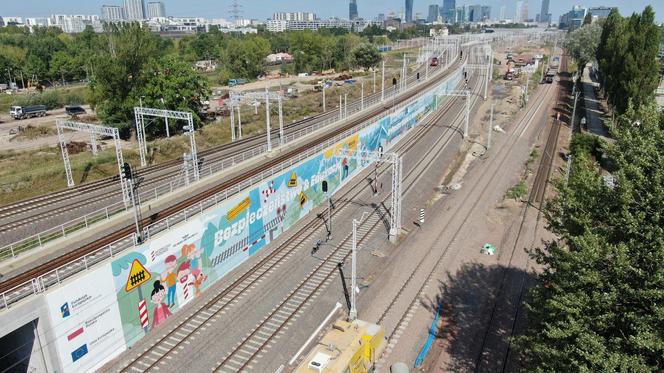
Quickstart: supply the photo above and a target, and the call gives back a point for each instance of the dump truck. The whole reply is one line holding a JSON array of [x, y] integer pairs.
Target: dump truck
[[23, 112]]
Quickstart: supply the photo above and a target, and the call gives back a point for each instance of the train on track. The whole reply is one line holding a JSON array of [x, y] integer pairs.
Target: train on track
[[352, 347]]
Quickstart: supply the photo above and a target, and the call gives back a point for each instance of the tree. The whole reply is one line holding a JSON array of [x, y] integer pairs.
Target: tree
[[598, 303], [119, 68], [582, 44], [176, 83], [588, 19], [245, 58], [627, 56], [366, 56]]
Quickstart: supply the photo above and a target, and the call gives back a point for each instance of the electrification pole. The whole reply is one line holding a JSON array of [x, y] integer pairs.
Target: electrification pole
[[267, 119], [382, 90], [281, 121]]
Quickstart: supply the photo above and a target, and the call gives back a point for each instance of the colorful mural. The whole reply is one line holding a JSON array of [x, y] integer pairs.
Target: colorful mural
[[156, 279]]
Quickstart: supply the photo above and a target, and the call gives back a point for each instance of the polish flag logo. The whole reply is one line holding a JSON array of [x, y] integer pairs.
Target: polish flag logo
[[75, 334]]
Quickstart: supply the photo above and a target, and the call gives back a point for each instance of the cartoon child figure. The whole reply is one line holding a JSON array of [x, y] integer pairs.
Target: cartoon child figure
[[161, 311], [194, 259], [170, 279], [344, 164], [185, 280]]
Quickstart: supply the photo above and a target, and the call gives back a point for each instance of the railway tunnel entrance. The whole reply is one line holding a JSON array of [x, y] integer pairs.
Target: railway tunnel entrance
[[20, 350]]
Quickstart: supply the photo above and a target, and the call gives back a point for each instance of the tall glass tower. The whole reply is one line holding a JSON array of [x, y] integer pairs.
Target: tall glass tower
[[352, 10], [449, 7], [409, 10]]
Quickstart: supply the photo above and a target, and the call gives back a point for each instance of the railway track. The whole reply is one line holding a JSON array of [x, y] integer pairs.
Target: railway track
[[395, 317], [24, 284], [94, 200], [536, 200], [172, 341]]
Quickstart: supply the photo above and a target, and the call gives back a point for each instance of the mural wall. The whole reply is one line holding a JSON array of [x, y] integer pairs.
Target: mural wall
[[144, 287]]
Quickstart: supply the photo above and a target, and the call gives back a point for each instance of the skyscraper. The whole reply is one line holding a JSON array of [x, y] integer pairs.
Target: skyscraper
[[524, 12], [518, 11], [434, 13], [134, 10], [545, 17], [156, 9], [352, 10], [112, 13], [502, 13], [449, 9], [409, 10]]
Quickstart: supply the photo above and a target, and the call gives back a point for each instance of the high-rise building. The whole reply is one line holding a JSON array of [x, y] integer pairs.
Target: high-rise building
[[503, 8], [600, 11], [518, 11], [156, 9], [474, 13], [112, 13], [524, 12], [352, 10], [449, 9], [434, 13], [409, 10], [486, 13], [573, 19], [545, 16], [134, 10]]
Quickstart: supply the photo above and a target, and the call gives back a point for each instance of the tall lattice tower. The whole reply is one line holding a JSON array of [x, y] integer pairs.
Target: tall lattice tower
[[236, 12]]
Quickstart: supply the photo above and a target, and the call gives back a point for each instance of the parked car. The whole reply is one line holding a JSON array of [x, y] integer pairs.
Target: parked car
[[234, 82], [74, 111]]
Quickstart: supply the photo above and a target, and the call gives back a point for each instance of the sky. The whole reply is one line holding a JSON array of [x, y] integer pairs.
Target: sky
[[263, 9]]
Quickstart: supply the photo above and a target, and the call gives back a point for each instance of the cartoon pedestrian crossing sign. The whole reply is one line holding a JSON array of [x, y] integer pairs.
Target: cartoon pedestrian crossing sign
[[138, 275], [292, 182]]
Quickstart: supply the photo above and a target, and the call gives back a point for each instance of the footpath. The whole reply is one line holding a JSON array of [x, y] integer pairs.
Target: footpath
[[593, 112]]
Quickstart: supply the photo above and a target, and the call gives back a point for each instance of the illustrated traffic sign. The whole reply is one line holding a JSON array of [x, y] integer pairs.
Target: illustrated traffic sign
[[292, 183], [303, 199], [138, 275]]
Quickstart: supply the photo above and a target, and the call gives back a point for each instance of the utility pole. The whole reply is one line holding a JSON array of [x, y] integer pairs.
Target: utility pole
[[341, 108], [362, 97], [323, 97], [239, 120], [576, 98], [465, 128], [374, 79], [281, 121], [345, 105], [382, 90], [488, 139], [168, 134], [232, 123], [267, 119], [129, 178], [352, 315]]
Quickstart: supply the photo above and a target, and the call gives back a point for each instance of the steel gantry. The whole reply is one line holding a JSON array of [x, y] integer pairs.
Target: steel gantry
[[94, 130], [465, 94], [367, 157], [141, 112], [236, 100], [482, 61]]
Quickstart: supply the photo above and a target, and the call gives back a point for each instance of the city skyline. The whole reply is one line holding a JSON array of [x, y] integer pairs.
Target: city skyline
[[263, 9]]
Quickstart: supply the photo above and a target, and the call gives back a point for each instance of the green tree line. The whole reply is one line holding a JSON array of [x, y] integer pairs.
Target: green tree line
[[627, 57], [127, 64], [598, 304]]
